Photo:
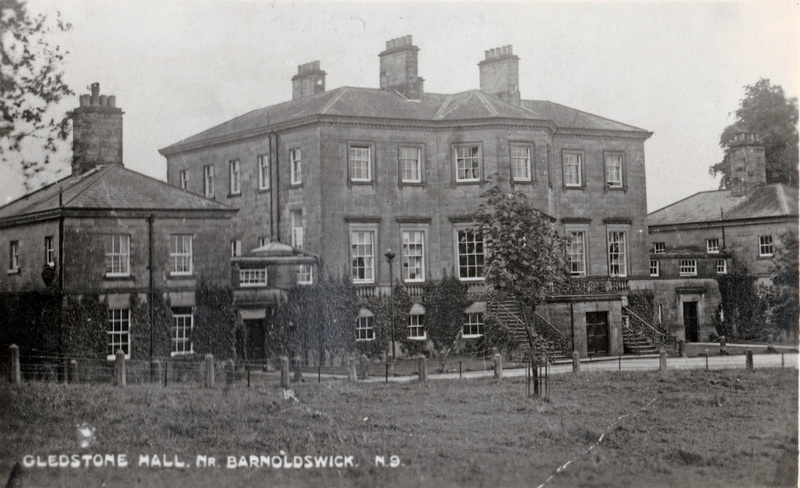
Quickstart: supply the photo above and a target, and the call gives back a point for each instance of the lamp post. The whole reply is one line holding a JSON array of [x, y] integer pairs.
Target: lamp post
[[389, 258]]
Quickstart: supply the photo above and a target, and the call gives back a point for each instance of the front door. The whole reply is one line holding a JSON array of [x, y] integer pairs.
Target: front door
[[597, 333], [690, 320], [254, 342]]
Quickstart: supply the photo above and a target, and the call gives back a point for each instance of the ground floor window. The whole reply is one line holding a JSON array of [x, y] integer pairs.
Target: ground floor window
[[365, 328], [119, 332], [416, 328], [182, 323], [473, 325]]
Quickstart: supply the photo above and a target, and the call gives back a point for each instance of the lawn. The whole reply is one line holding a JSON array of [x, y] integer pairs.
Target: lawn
[[684, 428]]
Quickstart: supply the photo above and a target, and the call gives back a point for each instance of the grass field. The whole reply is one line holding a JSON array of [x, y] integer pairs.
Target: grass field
[[687, 428]]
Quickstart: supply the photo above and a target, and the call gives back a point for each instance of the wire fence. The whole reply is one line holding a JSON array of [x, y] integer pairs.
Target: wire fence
[[197, 372]]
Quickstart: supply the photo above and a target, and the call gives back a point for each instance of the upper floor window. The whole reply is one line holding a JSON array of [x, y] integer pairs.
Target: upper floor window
[[296, 217], [613, 163], [253, 277], [118, 255], [521, 162], [577, 253], [208, 181], [49, 251], [468, 163], [654, 267], [182, 325], [360, 160], [296, 165], [262, 241], [180, 254], [236, 247], [659, 247], [411, 164], [687, 267], [305, 274], [573, 169], [362, 256], [184, 179], [413, 256], [119, 333], [617, 253], [765, 245], [470, 254], [473, 325], [263, 172], [13, 256], [235, 177], [712, 246], [722, 266], [416, 327]]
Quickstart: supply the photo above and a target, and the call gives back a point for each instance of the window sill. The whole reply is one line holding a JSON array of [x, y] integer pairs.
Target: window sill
[[417, 184], [472, 280], [263, 190], [365, 340], [260, 285], [687, 275], [765, 256], [522, 182], [419, 339], [114, 357], [469, 182], [181, 276], [471, 336], [575, 187], [112, 277], [181, 354], [295, 185], [234, 195], [13, 271]]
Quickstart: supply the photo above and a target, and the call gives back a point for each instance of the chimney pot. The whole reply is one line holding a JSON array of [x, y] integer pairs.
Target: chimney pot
[[103, 101], [95, 89], [112, 101]]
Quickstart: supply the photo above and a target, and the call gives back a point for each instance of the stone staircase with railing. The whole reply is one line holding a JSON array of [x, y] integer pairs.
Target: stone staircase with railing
[[639, 337], [544, 339]]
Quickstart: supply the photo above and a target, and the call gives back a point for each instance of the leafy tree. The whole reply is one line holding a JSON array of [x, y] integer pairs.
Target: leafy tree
[[767, 111], [31, 83], [525, 256], [445, 302], [782, 296]]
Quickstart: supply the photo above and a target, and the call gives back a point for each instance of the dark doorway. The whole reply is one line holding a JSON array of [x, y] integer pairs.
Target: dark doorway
[[690, 320], [597, 333], [254, 341]]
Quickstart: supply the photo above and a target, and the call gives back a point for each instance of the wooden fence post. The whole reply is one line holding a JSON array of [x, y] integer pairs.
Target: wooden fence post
[[120, 367], [498, 367], [16, 377], [284, 371], [662, 360], [576, 362], [73, 371], [748, 354], [209, 371], [423, 369], [351, 369], [155, 370], [298, 374]]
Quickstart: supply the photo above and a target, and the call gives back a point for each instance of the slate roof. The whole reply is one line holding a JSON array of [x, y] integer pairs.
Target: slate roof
[[375, 103], [109, 187], [767, 201]]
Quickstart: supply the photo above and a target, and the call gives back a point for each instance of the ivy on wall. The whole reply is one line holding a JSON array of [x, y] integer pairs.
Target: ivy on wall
[[445, 301], [316, 322], [30, 320], [643, 304], [214, 322]]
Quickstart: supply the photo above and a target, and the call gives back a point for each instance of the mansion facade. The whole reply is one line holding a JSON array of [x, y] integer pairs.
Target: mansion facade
[[350, 174]]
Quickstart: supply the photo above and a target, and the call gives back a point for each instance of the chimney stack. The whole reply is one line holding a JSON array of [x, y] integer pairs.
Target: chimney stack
[[399, 68], [96, 132], [748, 163], [309, 80], [499, 73]]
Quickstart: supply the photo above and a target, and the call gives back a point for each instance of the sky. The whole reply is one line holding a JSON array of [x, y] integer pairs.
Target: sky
[[677, 69]]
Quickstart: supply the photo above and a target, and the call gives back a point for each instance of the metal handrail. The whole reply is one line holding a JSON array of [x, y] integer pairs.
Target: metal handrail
[[551, 325], [643, 321]]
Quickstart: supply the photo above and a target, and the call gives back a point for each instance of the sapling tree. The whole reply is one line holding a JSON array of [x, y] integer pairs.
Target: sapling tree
[[525, 257]]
